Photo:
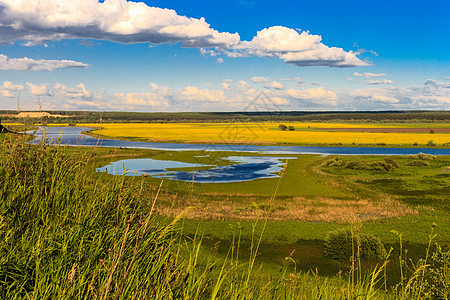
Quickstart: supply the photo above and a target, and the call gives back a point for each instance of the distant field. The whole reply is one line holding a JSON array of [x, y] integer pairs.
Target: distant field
[[269, 133]]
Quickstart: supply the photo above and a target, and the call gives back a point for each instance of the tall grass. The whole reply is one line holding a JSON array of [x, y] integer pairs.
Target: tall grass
[[66, 235]]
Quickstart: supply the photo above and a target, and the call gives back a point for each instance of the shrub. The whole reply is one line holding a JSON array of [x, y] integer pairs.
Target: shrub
[[431, 143], [392, 162], [282, 127], [421, 156], [338, 245], [335, 162], [387, 165], [418, 163], [291, 128], [437, 283], [357, 164], [431, 131]]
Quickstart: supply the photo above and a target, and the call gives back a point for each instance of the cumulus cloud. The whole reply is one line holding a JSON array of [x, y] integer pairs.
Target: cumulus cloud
[[225, 85], [131, 22], [259, 79], [432, 94], [115, 20], [317, 94], [274, 85], [374, 95], [153, 99], [40, 90], [298, 48], [7, 89], [243, 84], [79, 91], [192, 93], [28, 64]]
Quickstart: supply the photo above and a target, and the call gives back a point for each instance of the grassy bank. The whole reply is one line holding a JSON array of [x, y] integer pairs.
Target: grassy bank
[[66, 234]]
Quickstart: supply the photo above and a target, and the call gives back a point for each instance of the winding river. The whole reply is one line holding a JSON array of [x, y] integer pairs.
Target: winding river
[[73, 136], [236, 168]]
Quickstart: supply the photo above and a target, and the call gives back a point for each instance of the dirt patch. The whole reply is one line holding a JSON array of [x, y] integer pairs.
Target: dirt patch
[[388, 130], [294, 209]]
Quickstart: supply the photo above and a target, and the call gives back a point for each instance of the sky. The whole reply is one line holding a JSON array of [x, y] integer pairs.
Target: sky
[[235, 55]]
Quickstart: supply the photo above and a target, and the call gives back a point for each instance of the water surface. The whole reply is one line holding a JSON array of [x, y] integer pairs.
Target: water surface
[[242, 168], [73, 136]]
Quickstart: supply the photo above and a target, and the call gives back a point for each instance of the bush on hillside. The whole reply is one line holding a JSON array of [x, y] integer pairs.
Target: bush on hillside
[[421, 156], [418, 163], [338, 245], [387, 165], [431, 143]]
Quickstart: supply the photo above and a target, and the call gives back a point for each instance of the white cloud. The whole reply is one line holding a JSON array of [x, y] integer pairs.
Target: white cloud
[[317, 94], [368, 75], [131, 22], [194, 94], [153, 99], [220, 60], [382, 81], [298, 48], [279, 39], [274, 85], [279, 101], [374, 95], [225, 86], [433, 94], [259, 79], [115, 20], [243, 84], [447, 78], [40, 90], [297, 79], [28, 64], [7, 89], [79, 91]]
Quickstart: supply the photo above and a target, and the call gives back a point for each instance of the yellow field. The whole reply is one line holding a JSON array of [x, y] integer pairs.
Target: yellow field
[[268, 133]]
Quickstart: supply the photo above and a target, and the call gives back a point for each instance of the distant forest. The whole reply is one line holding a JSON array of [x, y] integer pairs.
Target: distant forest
[[73, 117]]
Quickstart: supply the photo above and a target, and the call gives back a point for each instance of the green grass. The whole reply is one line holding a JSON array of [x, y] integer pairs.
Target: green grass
[[67, 234]]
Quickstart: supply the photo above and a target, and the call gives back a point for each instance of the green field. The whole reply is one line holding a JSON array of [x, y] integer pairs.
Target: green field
[[311, 200], [275, 228]]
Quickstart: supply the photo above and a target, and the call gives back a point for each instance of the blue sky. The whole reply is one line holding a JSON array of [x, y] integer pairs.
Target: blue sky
[[219, 55]]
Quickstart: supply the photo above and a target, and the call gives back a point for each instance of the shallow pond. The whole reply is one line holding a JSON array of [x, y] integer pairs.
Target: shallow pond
[[242, 168]]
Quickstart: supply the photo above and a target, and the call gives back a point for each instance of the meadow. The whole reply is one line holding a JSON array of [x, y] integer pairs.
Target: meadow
[[270, 133], [70, 232], [311, 200]]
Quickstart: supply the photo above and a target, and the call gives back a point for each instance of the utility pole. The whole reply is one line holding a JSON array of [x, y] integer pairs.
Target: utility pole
[[39, 102], [18, 103]]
